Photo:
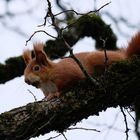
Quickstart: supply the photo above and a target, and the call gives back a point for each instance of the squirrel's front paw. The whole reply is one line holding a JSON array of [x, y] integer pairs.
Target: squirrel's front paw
[[51, 96]]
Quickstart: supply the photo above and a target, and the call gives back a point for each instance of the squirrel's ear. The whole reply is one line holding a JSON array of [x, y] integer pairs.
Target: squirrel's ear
[[40, 55], [27, 56]]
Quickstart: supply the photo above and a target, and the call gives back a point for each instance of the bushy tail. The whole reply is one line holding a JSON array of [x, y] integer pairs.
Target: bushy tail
[[134, 46]]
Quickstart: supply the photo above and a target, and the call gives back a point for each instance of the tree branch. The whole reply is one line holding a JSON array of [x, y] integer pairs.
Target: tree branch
[[97, 29], [79, 102], [126, 124]]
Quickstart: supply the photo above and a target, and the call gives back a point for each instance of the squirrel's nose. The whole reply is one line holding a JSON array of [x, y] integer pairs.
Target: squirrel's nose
[[27, 81]]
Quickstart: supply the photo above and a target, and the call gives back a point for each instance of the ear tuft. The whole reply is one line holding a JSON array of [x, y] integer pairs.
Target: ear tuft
[[27, 56], [38, 47], [40, 55]]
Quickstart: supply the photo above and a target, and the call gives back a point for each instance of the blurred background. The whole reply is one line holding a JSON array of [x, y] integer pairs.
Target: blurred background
[[19, 19]]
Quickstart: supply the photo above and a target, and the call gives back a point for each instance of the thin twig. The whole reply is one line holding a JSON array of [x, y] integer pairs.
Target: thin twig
[[53, 20], [54, 137], [33, 95], [130, 115], [47, 15], [42, 31], [81, 128], [106, 59], [64, 136], [50, 14], [105, 53], [81, 14], [126, 125], [79, 63]]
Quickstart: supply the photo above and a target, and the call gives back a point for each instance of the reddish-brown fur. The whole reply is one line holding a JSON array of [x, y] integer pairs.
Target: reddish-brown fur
[[53, 78]]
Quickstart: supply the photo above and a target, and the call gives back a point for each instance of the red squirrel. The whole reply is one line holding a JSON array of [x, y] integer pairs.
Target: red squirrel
[[52, 78]]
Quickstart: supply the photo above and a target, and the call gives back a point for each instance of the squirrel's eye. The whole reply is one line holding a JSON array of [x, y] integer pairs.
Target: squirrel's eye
[[36, 68]]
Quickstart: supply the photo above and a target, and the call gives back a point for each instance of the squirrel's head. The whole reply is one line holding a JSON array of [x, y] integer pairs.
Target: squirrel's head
[[37, 68]]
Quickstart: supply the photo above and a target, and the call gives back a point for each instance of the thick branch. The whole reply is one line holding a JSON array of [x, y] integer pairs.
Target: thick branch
[[12, 68], [121, 88]]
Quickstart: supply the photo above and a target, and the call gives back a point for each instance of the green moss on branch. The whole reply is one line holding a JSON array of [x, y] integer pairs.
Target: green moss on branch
[[118, 87]]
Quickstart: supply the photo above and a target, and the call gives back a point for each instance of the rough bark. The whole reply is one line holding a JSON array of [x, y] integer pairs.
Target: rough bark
[[119, 86]]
